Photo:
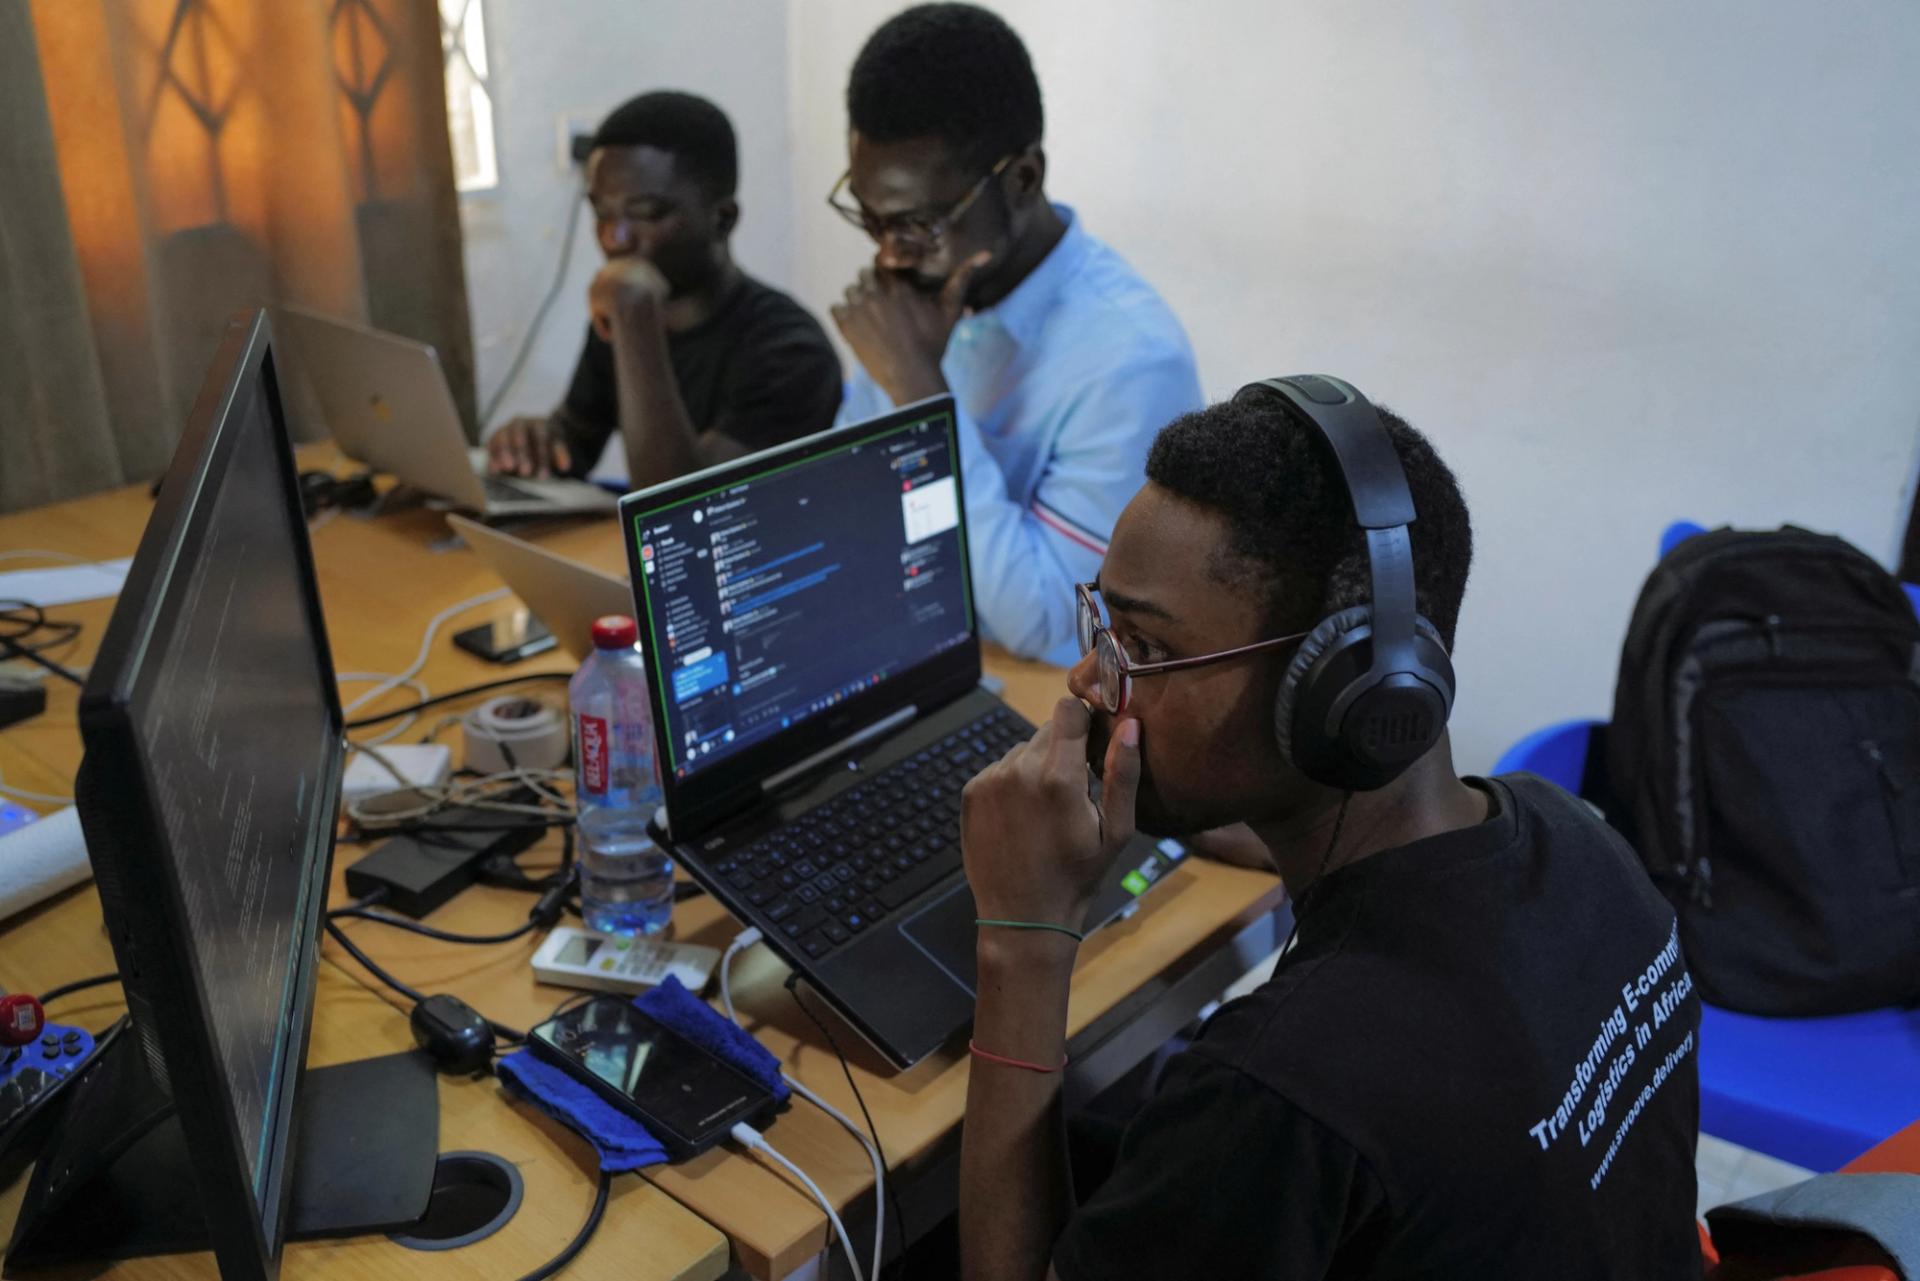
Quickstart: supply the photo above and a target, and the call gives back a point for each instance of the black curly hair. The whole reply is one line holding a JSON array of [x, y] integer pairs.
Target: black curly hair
[[695, 132], [956, 72], [1275, 480]]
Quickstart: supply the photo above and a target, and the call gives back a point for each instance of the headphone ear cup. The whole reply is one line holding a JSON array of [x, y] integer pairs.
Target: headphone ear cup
[[1288, 729], [1384, 726]]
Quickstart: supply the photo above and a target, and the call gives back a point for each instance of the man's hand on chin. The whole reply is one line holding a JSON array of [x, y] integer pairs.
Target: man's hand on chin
[[1035, 846], [898, 333], [629, 288]]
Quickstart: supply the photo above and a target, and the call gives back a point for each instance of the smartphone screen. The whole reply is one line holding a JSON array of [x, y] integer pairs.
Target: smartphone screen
[[668, 1078]]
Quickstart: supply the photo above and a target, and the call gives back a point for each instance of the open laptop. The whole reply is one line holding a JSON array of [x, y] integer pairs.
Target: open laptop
[[814, 659], [563, 594], [387, 404]]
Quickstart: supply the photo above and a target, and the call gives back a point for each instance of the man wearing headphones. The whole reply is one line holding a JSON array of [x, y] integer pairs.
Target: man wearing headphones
[[1476, 1056]]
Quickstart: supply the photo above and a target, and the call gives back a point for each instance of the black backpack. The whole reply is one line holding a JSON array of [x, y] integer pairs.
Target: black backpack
[[1764, 759]]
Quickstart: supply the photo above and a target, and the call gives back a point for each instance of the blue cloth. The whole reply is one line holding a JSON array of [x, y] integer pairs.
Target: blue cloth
[[1061, 387], [622, 1142]]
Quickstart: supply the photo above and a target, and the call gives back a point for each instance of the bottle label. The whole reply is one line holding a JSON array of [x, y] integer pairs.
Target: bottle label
[[593, 755]]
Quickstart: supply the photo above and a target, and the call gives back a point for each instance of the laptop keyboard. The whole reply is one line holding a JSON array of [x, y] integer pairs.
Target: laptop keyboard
[[854, 862]]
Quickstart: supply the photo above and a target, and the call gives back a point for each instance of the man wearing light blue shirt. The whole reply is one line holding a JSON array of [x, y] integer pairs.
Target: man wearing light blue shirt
[[1064, 362]]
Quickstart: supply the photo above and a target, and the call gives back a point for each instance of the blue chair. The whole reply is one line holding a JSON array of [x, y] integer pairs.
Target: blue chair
[[1815, 1092], [1811, 1091]]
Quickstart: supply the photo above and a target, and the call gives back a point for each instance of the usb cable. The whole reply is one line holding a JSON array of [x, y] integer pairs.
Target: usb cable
[[741, 942], [748, 1137]]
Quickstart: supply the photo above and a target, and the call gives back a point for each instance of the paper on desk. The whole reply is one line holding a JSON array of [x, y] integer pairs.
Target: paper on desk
[[64, 584]]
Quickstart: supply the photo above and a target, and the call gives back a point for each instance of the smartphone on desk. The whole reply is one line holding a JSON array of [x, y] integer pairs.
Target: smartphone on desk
[[686, 1097], [507, 640]]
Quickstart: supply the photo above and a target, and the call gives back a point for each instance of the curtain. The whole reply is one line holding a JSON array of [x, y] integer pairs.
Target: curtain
[[166, 163]]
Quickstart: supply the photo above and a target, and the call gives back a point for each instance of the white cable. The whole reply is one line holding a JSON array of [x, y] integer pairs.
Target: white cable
[[741, 942], [21, 794], [401, 726], [748, 1137], [423, 800], [426, 647]]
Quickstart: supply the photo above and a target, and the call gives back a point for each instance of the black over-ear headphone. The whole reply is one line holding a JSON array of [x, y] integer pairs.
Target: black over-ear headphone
[[1369, 689]]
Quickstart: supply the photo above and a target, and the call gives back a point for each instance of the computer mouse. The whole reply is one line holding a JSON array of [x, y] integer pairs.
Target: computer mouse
[[453, 1034]]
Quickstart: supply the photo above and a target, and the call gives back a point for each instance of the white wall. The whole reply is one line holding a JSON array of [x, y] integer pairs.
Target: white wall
[[582, 58], [1623, 262]]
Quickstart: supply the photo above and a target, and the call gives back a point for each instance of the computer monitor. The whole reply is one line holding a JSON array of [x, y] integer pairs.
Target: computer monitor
[[213, 736]]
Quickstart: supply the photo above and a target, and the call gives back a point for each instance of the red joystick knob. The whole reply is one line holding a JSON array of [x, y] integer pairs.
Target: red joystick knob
[[21, 1019]]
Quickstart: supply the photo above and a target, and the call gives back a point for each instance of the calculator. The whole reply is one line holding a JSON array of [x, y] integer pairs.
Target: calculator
[[616, 963]]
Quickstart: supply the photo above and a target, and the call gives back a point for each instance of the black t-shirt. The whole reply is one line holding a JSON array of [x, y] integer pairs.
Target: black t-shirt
[[760, 370], [1478, 1061]]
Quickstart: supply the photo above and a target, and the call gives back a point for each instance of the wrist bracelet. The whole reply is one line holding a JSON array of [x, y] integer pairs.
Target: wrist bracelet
[[1071, 933], [1022, 1064]]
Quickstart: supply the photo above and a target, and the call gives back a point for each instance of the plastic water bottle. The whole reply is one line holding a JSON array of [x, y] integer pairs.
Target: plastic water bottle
[[626, 881]]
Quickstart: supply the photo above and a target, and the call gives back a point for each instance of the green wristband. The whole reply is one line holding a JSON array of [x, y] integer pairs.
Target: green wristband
[[1073, 934]]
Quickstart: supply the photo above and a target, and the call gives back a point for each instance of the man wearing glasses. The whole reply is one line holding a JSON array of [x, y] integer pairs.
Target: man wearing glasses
[[1062, 360], [1477, 1060]]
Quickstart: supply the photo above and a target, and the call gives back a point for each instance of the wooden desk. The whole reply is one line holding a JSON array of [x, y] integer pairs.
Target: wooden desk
[[645, 1234], [1134, 984]]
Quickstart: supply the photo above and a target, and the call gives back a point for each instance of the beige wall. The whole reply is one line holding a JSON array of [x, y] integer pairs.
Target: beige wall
[[582, 58], [1624, 262]]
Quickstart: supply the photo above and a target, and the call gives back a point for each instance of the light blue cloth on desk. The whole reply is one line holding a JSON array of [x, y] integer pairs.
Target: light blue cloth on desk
[[1061, 388]]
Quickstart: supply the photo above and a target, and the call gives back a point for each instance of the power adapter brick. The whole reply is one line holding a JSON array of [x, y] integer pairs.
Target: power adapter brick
[[424, 868], [21, 700]]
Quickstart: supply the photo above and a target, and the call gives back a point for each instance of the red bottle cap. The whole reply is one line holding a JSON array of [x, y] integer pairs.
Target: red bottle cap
[[21, 1019], [615, 631]]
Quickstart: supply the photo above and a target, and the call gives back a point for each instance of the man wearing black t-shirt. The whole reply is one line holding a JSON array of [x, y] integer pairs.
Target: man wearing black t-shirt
[[1477, 1060], [689, 360]]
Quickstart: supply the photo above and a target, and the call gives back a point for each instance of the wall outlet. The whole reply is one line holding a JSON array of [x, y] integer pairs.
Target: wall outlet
[[573, 136]]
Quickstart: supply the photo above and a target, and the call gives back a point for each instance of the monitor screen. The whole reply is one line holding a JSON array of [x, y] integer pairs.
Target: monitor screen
[[236, 717], [785, 592], [213, 703]]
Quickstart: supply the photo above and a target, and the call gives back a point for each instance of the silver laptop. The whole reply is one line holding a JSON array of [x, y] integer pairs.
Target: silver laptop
[[387, 404], [563, 594]]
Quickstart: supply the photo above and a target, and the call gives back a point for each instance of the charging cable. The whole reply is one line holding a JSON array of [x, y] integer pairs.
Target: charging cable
[[748, 1137], [405, 723], [434, 625], [741, 942]]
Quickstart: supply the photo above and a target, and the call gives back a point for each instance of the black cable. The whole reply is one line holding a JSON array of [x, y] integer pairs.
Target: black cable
[[540, 313], [372, 967], [413, 994], [10, 610], [53, 994], [15, 648], [428, 931], [1339, 821], [361, 833], [552, 1266], [486, 687], [873, 1131]]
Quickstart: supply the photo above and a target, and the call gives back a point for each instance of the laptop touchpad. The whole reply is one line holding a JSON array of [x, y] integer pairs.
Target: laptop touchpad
[[944, 930]]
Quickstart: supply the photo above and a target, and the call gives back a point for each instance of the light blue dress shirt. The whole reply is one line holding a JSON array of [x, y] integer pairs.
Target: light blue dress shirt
[[1060, 387]]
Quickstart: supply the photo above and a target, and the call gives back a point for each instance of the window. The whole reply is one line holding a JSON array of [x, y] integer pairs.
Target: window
[[463, 42]]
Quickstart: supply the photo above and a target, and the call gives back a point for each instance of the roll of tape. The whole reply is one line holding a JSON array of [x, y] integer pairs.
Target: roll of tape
[[534, 732]]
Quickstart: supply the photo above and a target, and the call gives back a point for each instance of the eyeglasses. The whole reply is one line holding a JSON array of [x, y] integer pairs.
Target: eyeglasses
[[921, 229], [1117, 671]]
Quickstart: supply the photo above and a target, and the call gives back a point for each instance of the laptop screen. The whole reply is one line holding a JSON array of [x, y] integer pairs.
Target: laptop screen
[[785, 592]]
